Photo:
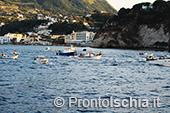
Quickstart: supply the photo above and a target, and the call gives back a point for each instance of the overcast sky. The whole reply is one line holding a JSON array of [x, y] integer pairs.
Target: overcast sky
[[117, 4]]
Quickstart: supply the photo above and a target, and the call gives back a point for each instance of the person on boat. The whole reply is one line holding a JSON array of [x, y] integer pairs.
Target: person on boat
[[15, 52], [3, 54], [35, 58], [100, 53]]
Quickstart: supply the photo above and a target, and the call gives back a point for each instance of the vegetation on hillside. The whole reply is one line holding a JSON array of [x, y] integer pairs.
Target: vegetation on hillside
[[20, 27], [70, 7], [95, 20], [65, 28], [146, 13]]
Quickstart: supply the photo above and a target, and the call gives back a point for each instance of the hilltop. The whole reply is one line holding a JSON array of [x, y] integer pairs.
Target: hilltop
[[69, 7]]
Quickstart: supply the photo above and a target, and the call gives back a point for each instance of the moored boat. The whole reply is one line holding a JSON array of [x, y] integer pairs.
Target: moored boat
[[88, 55], [3, 56], [67, 51], [9, 57], [41, 60], [151, 57]]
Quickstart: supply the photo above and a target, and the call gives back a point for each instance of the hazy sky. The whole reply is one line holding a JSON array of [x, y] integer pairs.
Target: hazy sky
[[117, 4]]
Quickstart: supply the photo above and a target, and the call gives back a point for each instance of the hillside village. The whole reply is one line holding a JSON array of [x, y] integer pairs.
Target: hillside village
[[42, 34]]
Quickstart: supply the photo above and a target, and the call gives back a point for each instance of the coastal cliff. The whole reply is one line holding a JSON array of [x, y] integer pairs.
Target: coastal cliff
[[146, 25]]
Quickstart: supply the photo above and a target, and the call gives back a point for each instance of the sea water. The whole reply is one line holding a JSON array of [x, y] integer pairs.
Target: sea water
[[29, 87]]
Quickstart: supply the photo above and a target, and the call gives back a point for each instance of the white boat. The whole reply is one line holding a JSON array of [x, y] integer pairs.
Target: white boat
[[151, 57], [48, 49], [9, 57], [167, 57], [165, 62], [41, 60], [88, 57]]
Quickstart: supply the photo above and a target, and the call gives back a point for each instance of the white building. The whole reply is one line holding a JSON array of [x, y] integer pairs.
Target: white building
[[1, 40], [83, 36], [88, 15], [80, 37], [5, 40], [44, 32], [1, 24], [12, 36]]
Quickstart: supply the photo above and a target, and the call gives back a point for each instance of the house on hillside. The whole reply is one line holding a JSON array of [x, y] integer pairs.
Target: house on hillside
[[2, 23]]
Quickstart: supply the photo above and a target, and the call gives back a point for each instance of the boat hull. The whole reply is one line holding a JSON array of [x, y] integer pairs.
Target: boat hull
[[9, 57], [66, 54], [89, 57], [165, 62], [41, 61]]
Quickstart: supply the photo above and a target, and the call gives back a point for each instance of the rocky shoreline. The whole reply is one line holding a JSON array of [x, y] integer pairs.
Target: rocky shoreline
[[145, 26]]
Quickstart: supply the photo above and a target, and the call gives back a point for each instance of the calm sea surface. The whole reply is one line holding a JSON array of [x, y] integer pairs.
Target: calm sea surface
[[28, 87]]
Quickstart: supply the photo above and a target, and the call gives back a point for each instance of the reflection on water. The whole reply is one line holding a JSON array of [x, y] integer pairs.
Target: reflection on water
[[29, 87]]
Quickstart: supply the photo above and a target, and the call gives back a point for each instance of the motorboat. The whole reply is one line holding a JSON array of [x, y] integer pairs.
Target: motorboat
[[151, 57], [88, 55], [3, 56], [167, 57], [164, 62], [40, 60], [48, 49], [67, 51], [9, 57]]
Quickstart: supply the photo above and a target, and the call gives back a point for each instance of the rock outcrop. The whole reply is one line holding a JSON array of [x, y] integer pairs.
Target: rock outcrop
[[143, 26], [134, 38]]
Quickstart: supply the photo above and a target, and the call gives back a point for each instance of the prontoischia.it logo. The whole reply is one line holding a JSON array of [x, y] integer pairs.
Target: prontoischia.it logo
[[107, 103]]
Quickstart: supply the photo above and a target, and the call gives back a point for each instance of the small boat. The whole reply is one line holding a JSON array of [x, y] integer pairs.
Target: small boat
[[167, 57], [48, 49], [9, 57], [165, 62], [151, 57], [88, 55], [67, 51], [40, 60]]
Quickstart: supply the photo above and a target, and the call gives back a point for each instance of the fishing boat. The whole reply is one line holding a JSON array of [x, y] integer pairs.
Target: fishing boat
[[151, 57], [9, 57], [3, 56], [88, 55], [165, 62], [67, 51], [41, 60], [167, 57]]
